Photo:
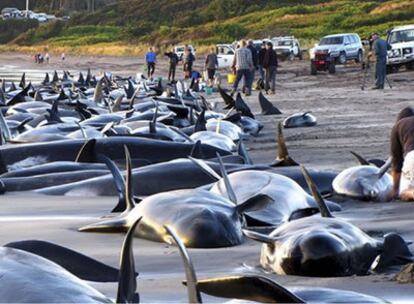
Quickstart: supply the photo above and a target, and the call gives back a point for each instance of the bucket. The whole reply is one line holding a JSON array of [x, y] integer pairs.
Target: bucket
[[209, 90], [231, 78]]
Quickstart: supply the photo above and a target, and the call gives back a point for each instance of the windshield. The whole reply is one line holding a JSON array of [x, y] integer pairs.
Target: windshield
[[331, 40], [180, 49], [401, 36], [284, 43]]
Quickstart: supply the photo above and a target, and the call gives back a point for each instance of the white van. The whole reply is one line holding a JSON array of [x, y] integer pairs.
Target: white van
[[401, 40], [225, 55]]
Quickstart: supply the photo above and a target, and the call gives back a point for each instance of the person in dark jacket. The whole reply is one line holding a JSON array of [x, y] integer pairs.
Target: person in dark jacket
[[270, 66], [188, 59], [211, 65], [173, 60], [402, 156], [255, 57], [380, 49], [260, 59]]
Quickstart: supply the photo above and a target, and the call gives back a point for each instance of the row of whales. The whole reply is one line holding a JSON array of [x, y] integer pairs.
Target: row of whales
[[188, 180]]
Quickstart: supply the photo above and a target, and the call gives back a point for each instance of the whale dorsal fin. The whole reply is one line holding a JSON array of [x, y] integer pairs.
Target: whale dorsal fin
[[267, 107], [20, 126], [129, 193], [22, 83], [228, 100], [46, 80], [323, 208], [194, 295], [2, 97], [282, 157], [385, 168], [127, 284], [242, 107], [84, 134], [86, 152], [201, 122], [98, 94], [197, 150], [248, 287], [38, 96], [229, 189], [153, 123], [55, 77], [241, 150], [362, 161], [205, 168], [117, 104]]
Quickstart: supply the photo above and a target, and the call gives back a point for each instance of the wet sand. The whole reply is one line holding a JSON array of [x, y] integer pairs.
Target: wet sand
[[348, 119]]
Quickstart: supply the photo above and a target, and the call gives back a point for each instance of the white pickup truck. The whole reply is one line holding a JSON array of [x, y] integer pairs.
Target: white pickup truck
[[401, 40], [287, 47], [225, 55]]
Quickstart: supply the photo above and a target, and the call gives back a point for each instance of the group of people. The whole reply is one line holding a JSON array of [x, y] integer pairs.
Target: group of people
[[247, 60], [187, 58], [39, 58]]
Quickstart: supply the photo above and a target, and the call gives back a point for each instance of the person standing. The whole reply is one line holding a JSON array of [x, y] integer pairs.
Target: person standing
[[173, 61], [47, 57], [402, 156], [242, 65], [188, 59], [260, 59], [63, 56], [380, 49], [270, 66], [211, 65], [150, 59], [255, 58]]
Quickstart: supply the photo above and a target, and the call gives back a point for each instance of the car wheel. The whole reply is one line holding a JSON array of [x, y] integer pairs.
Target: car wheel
[[314, 70], [359, 57], [291, 56], [331, 68], [300, 55], [342, 58], [410, 65]]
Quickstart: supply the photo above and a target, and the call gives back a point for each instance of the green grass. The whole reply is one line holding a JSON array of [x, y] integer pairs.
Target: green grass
[[203, 22]]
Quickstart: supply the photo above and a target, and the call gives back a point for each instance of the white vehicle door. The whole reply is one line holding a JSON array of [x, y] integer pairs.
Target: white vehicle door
[[225, 56]]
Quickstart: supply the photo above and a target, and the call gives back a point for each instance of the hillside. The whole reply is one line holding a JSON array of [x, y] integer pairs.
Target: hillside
[[202, 22]]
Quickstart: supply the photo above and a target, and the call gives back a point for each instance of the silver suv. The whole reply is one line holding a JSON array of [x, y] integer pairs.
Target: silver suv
[[342, 47]]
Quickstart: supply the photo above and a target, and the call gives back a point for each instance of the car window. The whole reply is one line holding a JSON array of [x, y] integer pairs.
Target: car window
[[331, 40], [401, 36]]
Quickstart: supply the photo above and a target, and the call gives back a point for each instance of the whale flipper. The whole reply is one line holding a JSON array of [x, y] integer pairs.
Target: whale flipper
[[250, 287], [78, 264]]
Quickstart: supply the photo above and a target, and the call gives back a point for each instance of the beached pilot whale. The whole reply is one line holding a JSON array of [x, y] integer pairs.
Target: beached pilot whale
[[366, 182], [326, 246], [202, 218], [300, 120], [28, 277], [258, 288], [289, 200]]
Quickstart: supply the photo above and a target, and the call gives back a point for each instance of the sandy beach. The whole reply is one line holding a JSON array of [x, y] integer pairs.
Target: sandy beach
[[348, 119]]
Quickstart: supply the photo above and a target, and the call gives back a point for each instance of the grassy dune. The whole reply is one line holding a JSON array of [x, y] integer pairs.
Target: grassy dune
[[110, 32]]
